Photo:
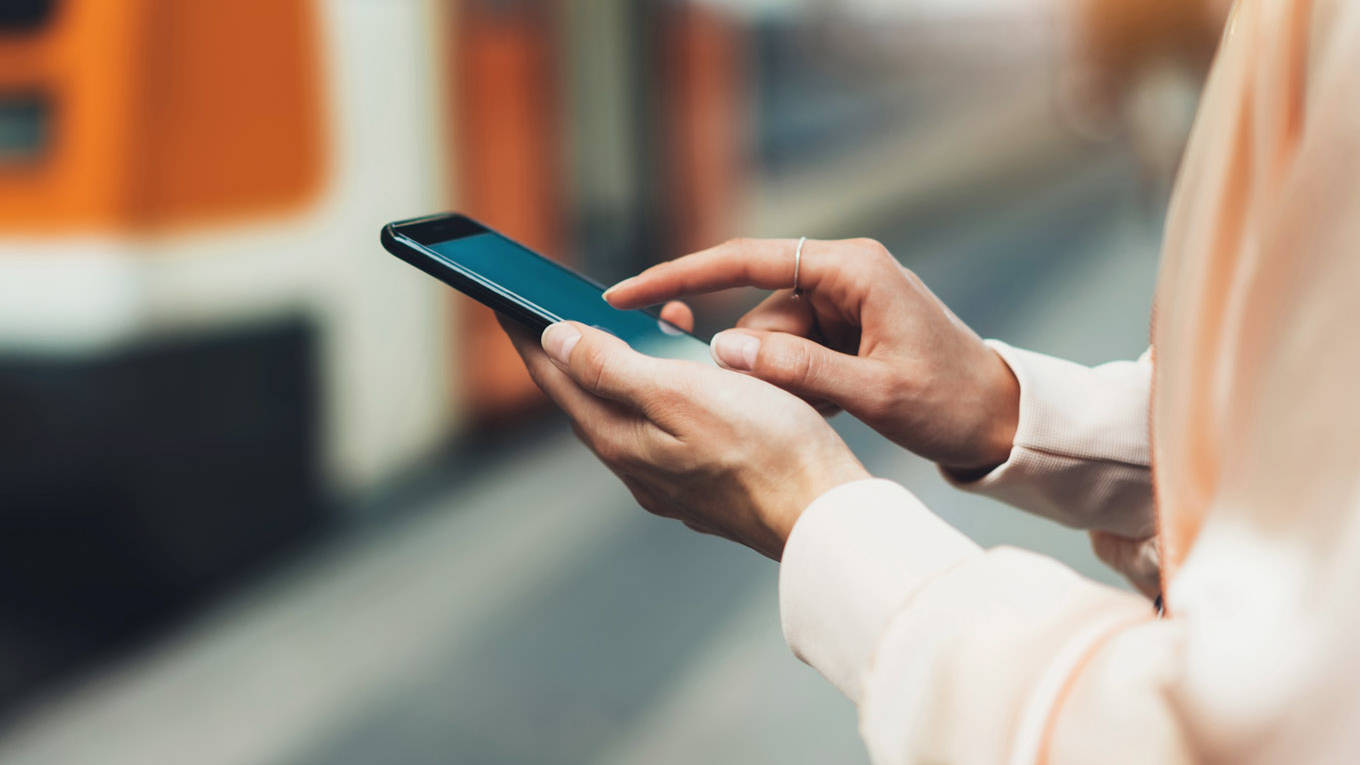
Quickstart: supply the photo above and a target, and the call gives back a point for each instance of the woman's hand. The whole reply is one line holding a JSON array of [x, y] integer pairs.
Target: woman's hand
[[866, 335], [725, 453]]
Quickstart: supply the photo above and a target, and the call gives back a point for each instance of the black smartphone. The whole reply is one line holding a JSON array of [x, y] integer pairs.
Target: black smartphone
[[499, 272]]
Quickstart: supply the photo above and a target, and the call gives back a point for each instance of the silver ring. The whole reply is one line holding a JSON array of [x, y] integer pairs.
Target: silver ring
[[798, 266]]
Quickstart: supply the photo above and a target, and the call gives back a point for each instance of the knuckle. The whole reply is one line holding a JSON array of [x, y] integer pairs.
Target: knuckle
[[787, 362], [609, 450], [595, 366], [874, 252], [664, 397], [665, 406], [670, 452], [868, 247], [881, 392]]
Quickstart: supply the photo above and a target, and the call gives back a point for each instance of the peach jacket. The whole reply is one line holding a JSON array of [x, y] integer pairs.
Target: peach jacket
[[955, 654]]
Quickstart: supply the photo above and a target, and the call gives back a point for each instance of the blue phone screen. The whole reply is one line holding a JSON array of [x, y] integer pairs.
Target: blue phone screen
[[563, 294]]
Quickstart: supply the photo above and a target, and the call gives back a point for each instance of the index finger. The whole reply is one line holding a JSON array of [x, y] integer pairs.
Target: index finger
[[765, 263]]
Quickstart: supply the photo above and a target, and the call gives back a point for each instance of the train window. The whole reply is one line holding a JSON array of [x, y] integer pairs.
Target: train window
[[25, 124], [24, 15]]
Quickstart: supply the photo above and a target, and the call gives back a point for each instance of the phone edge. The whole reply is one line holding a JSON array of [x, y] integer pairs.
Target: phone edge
[[411, 252]]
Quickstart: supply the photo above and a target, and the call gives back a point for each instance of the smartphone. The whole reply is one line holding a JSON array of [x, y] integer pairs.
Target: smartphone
[[501, 273]]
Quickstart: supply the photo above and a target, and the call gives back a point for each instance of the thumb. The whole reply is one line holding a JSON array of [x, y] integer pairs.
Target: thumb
[[800, 366], [600, 362]]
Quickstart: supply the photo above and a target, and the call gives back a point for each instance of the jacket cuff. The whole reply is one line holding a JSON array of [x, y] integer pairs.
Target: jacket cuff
[[1028, 460], [854, 559], [1080, 452], [1095, 413]]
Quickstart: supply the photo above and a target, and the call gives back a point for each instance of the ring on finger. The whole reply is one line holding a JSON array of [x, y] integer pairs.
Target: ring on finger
[[798, 267]]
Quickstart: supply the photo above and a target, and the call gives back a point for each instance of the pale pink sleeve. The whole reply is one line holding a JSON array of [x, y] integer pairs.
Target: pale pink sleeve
[[961, 655], [952, 653], [1080, 455]]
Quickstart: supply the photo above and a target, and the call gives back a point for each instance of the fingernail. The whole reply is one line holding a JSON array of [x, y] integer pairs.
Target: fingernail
[[611, 290], [558, 340], [736, 350]]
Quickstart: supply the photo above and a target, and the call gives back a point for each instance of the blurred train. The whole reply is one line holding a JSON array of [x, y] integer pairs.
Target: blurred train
[[205, 359], [199, 350]]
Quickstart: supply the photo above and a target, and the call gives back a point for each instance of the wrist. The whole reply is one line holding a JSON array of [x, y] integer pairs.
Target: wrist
[[1000, 436], [994, 433], [812, 482]]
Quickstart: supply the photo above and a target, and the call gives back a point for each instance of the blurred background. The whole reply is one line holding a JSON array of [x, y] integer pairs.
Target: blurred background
[[269, 495]]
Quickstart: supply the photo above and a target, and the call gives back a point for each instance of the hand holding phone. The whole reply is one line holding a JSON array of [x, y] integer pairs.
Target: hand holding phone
[[725, 453]]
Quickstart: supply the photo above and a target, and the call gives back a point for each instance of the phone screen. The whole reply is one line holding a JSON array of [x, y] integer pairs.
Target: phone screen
[[561, 294]]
